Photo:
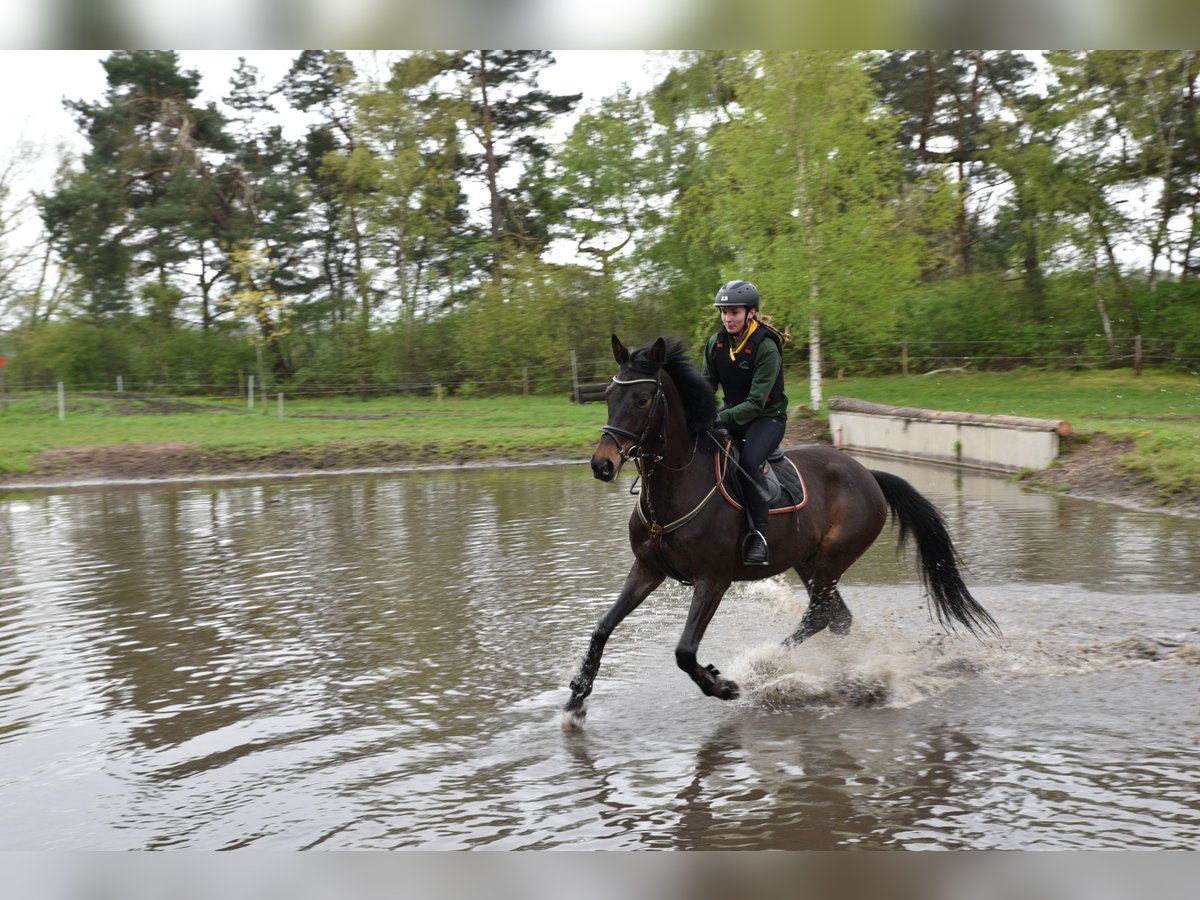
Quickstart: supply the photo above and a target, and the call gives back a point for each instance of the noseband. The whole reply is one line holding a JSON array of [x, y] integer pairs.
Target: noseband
[[637, 449]]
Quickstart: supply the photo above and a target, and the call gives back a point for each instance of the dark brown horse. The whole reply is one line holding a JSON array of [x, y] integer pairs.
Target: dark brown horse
[[660, 415]]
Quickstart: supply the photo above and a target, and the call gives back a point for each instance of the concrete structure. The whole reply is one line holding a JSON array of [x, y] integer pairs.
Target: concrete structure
[[997, 443]]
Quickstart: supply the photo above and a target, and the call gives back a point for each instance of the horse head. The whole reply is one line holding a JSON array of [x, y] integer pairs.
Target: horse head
[[635, 407]]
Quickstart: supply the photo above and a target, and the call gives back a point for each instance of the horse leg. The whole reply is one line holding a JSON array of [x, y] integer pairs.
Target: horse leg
[[639, 584], [826, 609], [705, 599]]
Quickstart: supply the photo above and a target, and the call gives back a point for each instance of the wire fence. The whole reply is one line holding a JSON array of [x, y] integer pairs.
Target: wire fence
[[839, 360]]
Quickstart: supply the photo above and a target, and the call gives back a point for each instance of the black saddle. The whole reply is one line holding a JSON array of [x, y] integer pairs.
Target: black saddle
[[783, 482]]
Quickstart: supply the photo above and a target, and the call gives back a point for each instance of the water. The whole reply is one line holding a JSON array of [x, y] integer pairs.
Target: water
[[379, 662]]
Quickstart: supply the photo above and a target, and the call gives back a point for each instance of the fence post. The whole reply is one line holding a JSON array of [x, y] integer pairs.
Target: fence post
[[525, 380], [3, 388], [120, 384], [250, 394], [1137, 355], [281, 404], [904, 357], [439, 392], [574, 378], [62, 405]]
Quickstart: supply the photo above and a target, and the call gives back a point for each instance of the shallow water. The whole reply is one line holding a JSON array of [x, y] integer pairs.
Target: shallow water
[[378, 662]]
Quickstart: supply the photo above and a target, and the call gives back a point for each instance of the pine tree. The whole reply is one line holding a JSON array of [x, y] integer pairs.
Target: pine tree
[[505, 112], [130, 220]]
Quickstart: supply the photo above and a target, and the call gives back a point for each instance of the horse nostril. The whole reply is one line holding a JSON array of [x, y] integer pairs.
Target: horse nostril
[[602, 469]]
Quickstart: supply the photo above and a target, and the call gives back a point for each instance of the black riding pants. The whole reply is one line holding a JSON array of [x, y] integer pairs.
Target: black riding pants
[[759, 438]]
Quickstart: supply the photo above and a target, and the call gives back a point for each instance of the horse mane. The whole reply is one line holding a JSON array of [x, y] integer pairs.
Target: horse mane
[[699, 398]]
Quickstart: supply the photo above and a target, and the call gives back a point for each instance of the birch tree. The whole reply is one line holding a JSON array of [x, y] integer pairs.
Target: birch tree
[[812, 200]]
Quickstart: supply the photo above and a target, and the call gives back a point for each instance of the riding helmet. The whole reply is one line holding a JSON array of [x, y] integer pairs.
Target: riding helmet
[[737, 293]]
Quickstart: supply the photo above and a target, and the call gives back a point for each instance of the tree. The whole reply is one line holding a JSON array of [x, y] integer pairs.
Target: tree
[[320, 83], [602, 173], [260, 190], [811, 197], [505, 113], [416, 215], [138, 208], [680, 251], [28, 291], [1136, 113], [256, 301]]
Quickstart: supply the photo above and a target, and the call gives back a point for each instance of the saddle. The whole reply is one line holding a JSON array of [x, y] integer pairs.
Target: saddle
[[783, 482]]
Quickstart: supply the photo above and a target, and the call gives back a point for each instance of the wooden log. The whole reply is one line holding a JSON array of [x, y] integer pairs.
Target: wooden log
[[851, 405], [591, 392]]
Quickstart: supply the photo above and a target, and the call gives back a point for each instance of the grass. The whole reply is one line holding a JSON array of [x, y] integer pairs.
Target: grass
[[1159, 411], [502, 427]]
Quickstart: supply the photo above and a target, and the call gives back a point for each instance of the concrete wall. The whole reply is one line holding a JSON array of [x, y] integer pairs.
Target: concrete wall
[[1003, 448]]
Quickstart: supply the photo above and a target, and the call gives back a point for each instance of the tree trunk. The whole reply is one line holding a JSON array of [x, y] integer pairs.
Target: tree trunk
[[1122, 289], [960, 222], [1100, 308], [492, 167], [814, 358]]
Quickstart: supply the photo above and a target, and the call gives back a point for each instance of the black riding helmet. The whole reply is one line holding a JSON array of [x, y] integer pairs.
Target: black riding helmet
[[737, 293]]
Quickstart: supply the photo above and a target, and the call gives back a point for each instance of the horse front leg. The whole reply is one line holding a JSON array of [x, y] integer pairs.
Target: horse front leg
[[639, 584], [706, 597]]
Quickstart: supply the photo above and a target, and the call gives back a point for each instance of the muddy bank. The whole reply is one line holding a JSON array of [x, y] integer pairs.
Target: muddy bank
[[1088, 468]]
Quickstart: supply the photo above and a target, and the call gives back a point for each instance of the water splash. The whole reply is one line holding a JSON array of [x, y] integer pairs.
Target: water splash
[[863, 670]]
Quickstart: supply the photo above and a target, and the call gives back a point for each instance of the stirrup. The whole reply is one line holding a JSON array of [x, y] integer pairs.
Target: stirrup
[[754, 550]]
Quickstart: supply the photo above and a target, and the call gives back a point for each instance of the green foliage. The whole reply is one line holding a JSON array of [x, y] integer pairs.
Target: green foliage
[[72, 351], [544, 313], [187, 360], [810, 183], [946, 199]]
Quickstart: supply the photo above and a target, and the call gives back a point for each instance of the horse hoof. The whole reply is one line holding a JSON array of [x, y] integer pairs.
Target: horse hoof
[[572, 720], [729, 691]]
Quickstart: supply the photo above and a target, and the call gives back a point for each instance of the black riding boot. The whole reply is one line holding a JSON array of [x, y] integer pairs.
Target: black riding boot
[[754, 544]]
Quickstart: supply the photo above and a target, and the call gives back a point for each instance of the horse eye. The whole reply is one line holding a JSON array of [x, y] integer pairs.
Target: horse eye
[[643, 401]]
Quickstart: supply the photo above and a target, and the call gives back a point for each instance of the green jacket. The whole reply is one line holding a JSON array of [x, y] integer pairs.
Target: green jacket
[[762, 399]]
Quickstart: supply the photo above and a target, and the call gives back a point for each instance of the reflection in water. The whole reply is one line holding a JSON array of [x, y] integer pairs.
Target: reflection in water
[[377, 662]]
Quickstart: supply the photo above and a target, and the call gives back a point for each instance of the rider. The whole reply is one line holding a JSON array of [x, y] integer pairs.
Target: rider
[[744, 358]]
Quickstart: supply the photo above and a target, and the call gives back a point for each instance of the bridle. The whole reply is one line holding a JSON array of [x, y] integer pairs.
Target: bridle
[[646, 460], [637, 446]]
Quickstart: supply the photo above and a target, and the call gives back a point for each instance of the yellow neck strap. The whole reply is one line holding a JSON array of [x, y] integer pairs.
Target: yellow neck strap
[[750, 329]]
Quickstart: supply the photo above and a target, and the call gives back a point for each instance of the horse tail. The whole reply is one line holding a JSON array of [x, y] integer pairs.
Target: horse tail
[[939, 560]]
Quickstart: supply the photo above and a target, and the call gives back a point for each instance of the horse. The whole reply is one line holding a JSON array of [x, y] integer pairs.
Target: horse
[[661, 412]]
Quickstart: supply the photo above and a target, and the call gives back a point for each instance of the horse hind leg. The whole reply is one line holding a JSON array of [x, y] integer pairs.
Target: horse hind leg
[[826, 609]]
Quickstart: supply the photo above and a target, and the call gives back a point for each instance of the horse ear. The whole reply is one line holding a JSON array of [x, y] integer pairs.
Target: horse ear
[[619, 352], [658, 352]]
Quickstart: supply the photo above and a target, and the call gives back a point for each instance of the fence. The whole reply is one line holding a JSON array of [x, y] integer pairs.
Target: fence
[[585, 379]]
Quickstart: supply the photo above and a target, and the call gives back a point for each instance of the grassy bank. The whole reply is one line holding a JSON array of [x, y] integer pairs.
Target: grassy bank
[[413, 429], [1159, 412]]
